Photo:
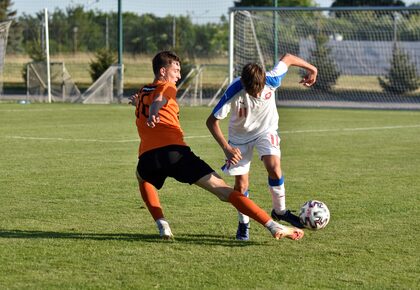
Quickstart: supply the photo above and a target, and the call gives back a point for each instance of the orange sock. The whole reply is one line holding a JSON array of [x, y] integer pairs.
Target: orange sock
[[151, 199], [248, 207]]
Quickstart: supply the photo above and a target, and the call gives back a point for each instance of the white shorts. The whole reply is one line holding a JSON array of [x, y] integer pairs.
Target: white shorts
[[268, 144]]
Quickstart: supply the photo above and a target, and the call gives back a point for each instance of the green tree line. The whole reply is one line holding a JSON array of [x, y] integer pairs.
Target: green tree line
[[77, 30]]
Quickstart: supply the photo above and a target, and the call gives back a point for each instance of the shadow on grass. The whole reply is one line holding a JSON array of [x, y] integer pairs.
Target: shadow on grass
[[198, 239]]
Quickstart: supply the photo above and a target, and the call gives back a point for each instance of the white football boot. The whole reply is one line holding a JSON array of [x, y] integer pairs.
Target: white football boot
[[164, 229], [280, 231]]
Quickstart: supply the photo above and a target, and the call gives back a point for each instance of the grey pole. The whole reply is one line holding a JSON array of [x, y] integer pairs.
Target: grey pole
[[120, 89]]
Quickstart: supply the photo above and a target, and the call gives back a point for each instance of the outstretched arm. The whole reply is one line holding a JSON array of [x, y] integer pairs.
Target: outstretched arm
[[133, 99], [311, 71], [233, 155], [154, 108]]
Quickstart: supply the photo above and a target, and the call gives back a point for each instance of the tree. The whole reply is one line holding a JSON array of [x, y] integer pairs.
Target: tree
[[352, 3], [5, 10], [104, 59], [321, 59], [346, 3], [15, 30], [270, 3], [84, 33], [74, 29], [402, 76]]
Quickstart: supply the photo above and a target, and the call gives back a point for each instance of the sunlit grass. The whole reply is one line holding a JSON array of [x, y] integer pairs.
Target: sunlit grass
[[71, 216]]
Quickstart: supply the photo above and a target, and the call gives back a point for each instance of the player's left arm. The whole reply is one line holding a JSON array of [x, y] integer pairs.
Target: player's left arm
[[154, 108], [311, 71]]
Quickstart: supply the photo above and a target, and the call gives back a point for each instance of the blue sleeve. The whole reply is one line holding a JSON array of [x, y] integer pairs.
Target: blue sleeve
[[274, 77], [274, 81], [230, 92]]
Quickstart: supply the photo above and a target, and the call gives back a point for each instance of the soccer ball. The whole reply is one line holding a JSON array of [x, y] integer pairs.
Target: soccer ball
[[314, 215]]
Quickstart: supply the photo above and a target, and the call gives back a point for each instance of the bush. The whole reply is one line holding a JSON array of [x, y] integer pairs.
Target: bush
[[402, 76], [36, 53], [104, 59]]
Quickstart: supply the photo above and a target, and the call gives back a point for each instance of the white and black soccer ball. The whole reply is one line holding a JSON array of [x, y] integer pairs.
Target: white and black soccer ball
[[314, 215]]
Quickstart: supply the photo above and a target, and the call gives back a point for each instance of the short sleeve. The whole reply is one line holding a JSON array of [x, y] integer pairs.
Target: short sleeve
[[222, 108], [275, 76]]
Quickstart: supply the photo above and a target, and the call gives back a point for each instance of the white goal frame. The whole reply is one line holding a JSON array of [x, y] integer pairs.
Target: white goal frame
[[4, 34]]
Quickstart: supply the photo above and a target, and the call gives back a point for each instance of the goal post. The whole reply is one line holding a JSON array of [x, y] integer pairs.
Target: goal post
[[105, 90], [4, 33], [366, 56], [61, 85]]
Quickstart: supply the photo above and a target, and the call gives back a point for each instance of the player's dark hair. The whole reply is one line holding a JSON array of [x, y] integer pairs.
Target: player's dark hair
[[253, 78], [164, 59]]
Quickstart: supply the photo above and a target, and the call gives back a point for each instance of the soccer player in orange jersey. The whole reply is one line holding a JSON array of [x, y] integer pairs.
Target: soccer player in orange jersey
[[163, 152]]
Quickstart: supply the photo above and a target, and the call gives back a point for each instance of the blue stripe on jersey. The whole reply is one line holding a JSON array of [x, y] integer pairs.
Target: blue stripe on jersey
[[276, 182], [232, 90], [274, 81]]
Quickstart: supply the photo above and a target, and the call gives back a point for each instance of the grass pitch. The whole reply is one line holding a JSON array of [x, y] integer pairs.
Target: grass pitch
[[71, 216]]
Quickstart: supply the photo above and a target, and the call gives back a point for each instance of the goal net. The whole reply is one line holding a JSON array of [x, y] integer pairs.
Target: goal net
[[202, 85], [4, 33], [365, 57], [63, 88], [103, 90]]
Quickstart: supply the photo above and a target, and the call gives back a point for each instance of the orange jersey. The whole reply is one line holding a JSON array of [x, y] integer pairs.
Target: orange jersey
[[168, 131]]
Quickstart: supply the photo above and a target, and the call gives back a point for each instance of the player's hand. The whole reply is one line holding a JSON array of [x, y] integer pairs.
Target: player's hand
[[233, 155], [309, 79], [133, 100], [153, 120]]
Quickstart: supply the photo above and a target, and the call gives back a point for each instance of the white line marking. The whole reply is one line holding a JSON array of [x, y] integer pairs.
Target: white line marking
[[197, 137], [352, 129], [208, 136], [71, 140]]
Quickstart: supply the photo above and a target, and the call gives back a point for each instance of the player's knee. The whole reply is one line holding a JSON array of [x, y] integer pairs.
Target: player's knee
[[242, 188], [216, 185]]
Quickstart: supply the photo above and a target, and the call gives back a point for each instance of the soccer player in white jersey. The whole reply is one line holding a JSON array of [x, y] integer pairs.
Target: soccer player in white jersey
[[253, 124]]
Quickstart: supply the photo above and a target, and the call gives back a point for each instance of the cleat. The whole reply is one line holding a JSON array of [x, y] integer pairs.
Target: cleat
[[288, 217], [164, 230], [242, 234], [280, 231]]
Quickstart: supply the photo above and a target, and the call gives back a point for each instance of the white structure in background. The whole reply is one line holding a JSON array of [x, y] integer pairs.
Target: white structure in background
[[4, 33]]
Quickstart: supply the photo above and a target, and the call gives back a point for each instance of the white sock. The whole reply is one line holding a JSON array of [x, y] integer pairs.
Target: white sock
[[243, 219], [278, 194]]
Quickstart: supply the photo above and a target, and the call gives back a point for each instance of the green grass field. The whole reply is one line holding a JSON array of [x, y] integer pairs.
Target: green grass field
[[71, 216]]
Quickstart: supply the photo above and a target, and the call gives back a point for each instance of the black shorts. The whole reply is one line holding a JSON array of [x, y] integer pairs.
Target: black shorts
[[175, 161]]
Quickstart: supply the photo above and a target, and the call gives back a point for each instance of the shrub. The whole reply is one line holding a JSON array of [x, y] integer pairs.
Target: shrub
[[104, 58], [402, 76]]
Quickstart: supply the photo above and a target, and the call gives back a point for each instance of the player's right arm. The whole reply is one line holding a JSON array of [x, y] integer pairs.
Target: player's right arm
[[311, 71], [233, 154], [154, 108]]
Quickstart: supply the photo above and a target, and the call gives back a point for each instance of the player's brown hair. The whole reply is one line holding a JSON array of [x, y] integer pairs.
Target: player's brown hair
[[253, 79], [164, 59]]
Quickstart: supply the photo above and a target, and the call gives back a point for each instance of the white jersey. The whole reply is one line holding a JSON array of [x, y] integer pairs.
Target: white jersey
[[251, 117]]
